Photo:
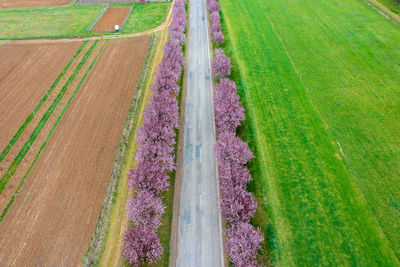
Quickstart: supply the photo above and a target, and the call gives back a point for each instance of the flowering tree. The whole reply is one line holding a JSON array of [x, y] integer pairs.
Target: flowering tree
[[226, 85], [166, 79], [213, 6], [228, 111], [221, 64], [218, 37], [142, 245], [215, 21], [162, 109], [154, 156], [145, 209], [230, 148], [243, 244], [173, 57], [148, 176], [237, 205], [233, 174]]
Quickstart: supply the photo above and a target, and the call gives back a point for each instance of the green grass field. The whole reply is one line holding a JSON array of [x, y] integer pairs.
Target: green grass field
[[42, 22], [146, 17], [320, 83]]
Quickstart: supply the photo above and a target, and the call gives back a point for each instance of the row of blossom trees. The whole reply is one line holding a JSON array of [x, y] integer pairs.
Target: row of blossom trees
[[237, 204], [154, 156]]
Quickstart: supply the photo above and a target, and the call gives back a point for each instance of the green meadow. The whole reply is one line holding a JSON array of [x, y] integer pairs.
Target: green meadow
[[321, 86], [45, 22], [146, 17]]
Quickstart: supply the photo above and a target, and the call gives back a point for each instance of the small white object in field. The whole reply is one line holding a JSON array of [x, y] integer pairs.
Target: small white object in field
[[116, 27]]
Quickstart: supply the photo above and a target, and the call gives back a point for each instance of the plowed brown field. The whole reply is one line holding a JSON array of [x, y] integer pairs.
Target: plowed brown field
[[32, 3], [115, 15], [26, 73], [55, 214]]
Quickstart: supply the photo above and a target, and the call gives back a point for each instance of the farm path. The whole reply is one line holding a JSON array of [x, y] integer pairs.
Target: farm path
[[199, 225]]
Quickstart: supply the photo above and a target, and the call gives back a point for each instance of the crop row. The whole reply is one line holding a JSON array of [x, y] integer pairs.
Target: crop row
[[50, 133], [237, 204], [154, 157], [19, 132], [18, 159]]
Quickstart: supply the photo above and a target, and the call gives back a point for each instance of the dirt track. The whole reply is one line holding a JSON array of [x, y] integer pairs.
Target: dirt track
[[32, 3], [115, 15], [26, 73], [52, 220]]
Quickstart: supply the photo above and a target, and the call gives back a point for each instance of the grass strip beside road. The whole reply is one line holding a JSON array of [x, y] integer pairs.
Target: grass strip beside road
[[14, 165], [51, 132], [38, 106]]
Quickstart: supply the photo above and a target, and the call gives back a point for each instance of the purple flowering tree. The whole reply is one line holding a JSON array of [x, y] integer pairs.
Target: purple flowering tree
[[243, 243], [142, 245], [145, 209], [154, 156], [237, 205], [230, 148], [221, 64], [148, 176]]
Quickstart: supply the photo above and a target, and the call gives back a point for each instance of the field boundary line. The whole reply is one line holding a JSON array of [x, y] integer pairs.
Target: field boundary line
[[337, 145], [99, 235], [50, 134], [90, 28], [384, 11], [126, 18], [14, 165], [19, 132]]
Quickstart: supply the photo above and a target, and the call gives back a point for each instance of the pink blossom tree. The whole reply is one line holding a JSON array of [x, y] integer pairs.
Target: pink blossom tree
[[228, 111], [221, 64], [154, 156], [148, 176], [217, 37], [233, 175], [215, 21], [145, 209], [162, 109], [230, 148], [243, 244], [237, 205], [213, 6], [141, 245]]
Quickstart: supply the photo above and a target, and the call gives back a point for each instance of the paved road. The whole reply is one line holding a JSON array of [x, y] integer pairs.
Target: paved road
[[200, 231]]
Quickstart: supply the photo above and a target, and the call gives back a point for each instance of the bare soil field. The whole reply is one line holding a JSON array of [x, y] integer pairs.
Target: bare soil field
[[30, 156], [54, 216], [32, 3], [115, 15], [26, 73]]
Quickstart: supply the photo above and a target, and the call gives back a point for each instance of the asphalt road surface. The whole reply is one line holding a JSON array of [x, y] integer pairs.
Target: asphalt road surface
[[200, 230]]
